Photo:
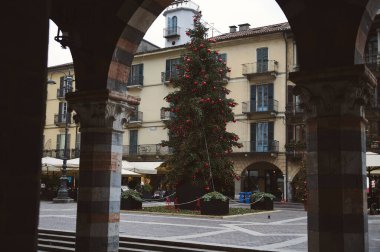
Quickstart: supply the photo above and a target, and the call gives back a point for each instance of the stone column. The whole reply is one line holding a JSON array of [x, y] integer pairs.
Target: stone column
[[23, 113], [101, 116], [378, 50], [337, 207]]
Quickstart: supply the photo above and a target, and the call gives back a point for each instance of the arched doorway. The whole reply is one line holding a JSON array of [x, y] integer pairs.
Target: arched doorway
[[263, 177]]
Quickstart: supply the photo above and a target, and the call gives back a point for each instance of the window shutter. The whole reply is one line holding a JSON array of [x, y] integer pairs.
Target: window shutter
[[133, 142], [270, 132], [58, 145], [290, 94], [289, 129], [253, 99], [270, 97], [253, 136], [77, 141], [223, 56], [141, 74], [62, 83], [167, 70], [262, 59]]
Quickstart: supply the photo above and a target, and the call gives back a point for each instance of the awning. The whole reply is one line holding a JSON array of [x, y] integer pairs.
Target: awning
[[141, 167], [373, 163], [129, 173]]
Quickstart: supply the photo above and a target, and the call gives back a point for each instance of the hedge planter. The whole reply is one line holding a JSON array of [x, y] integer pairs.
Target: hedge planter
[[264, 204], [130, 204], [215, 207]]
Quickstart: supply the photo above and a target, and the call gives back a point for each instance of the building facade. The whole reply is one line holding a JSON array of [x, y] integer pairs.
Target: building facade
[[260, 60]]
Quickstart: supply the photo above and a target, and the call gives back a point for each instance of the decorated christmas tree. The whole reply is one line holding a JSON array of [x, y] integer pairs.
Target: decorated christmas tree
[[200, 113]]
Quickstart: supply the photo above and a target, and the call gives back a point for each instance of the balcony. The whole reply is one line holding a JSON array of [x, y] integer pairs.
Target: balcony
[[135, 82], [167, 76], [172, 32], [59, 153], [260, 111], [60, 119], [261, 70], [258, 147], [294, 113], [146, 150], [296, 150], [372, 112], [166, 114], [135, 120], [61, 92]]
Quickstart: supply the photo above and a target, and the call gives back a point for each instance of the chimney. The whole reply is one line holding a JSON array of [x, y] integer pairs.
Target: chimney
[[233, 28], [244, 27]]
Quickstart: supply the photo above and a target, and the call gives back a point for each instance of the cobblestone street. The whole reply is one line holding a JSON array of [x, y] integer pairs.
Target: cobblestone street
[[279, 230]]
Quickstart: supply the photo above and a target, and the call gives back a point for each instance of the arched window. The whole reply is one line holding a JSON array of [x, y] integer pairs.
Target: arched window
[[172, 25]]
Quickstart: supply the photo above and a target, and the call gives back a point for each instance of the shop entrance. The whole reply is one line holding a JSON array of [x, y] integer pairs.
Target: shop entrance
[[263, 177]]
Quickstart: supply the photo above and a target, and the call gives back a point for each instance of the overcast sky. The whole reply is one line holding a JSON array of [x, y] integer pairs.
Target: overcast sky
[[220, 13]]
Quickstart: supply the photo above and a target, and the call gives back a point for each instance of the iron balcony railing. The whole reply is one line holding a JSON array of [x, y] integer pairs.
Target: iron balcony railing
[[172, 32], [137, 117], [59, 153], [60, 119], [292, 108], [166, 114], [169, 75], [260, 67], [254, 107], [146, 149], [61, 92], [137, 80], [258, 146]]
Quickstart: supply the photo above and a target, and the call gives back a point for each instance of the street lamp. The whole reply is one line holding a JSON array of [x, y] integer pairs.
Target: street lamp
[[63, 195]]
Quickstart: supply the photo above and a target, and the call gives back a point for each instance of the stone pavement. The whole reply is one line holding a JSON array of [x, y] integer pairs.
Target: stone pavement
[[279, 230]]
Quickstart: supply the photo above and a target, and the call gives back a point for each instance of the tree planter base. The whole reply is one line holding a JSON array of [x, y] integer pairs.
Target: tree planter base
[[130, 204], [266, 204], [215, 207], [187, 195]]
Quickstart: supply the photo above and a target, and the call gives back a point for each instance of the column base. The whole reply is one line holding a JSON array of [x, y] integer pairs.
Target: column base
[[63, 200]]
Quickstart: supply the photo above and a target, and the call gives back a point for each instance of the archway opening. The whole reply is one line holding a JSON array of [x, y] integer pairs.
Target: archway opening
[[263, 177]]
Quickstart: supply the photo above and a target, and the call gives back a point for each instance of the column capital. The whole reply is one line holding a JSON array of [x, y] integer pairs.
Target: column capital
[[102, 108], [335, 91]]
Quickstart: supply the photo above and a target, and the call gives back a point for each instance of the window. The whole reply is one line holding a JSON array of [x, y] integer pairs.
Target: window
[[136, 75], [171, 70], [296, 133], [61, 145], [262, 136], [135, 116], [293, 101], [262, 59], [133, 142], [261, 98], [371, 51], [172, 26], [62, 112], [223, 56]]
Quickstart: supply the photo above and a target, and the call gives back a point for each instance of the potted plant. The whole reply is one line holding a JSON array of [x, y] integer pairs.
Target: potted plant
[[146, 191], [214, 203], [130, 200], [262, 201]]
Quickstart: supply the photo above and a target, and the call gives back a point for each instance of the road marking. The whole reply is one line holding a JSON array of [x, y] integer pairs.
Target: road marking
[[286, 221], [65, 209], [255, 233], [247, 231], [60, 216], [283, 244], [184, 237], [172, 224]]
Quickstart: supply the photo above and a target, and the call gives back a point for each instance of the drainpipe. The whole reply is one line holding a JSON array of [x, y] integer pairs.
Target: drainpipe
[[286, 131]]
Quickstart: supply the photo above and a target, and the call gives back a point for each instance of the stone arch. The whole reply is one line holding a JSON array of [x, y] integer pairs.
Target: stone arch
[[263, 176]]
